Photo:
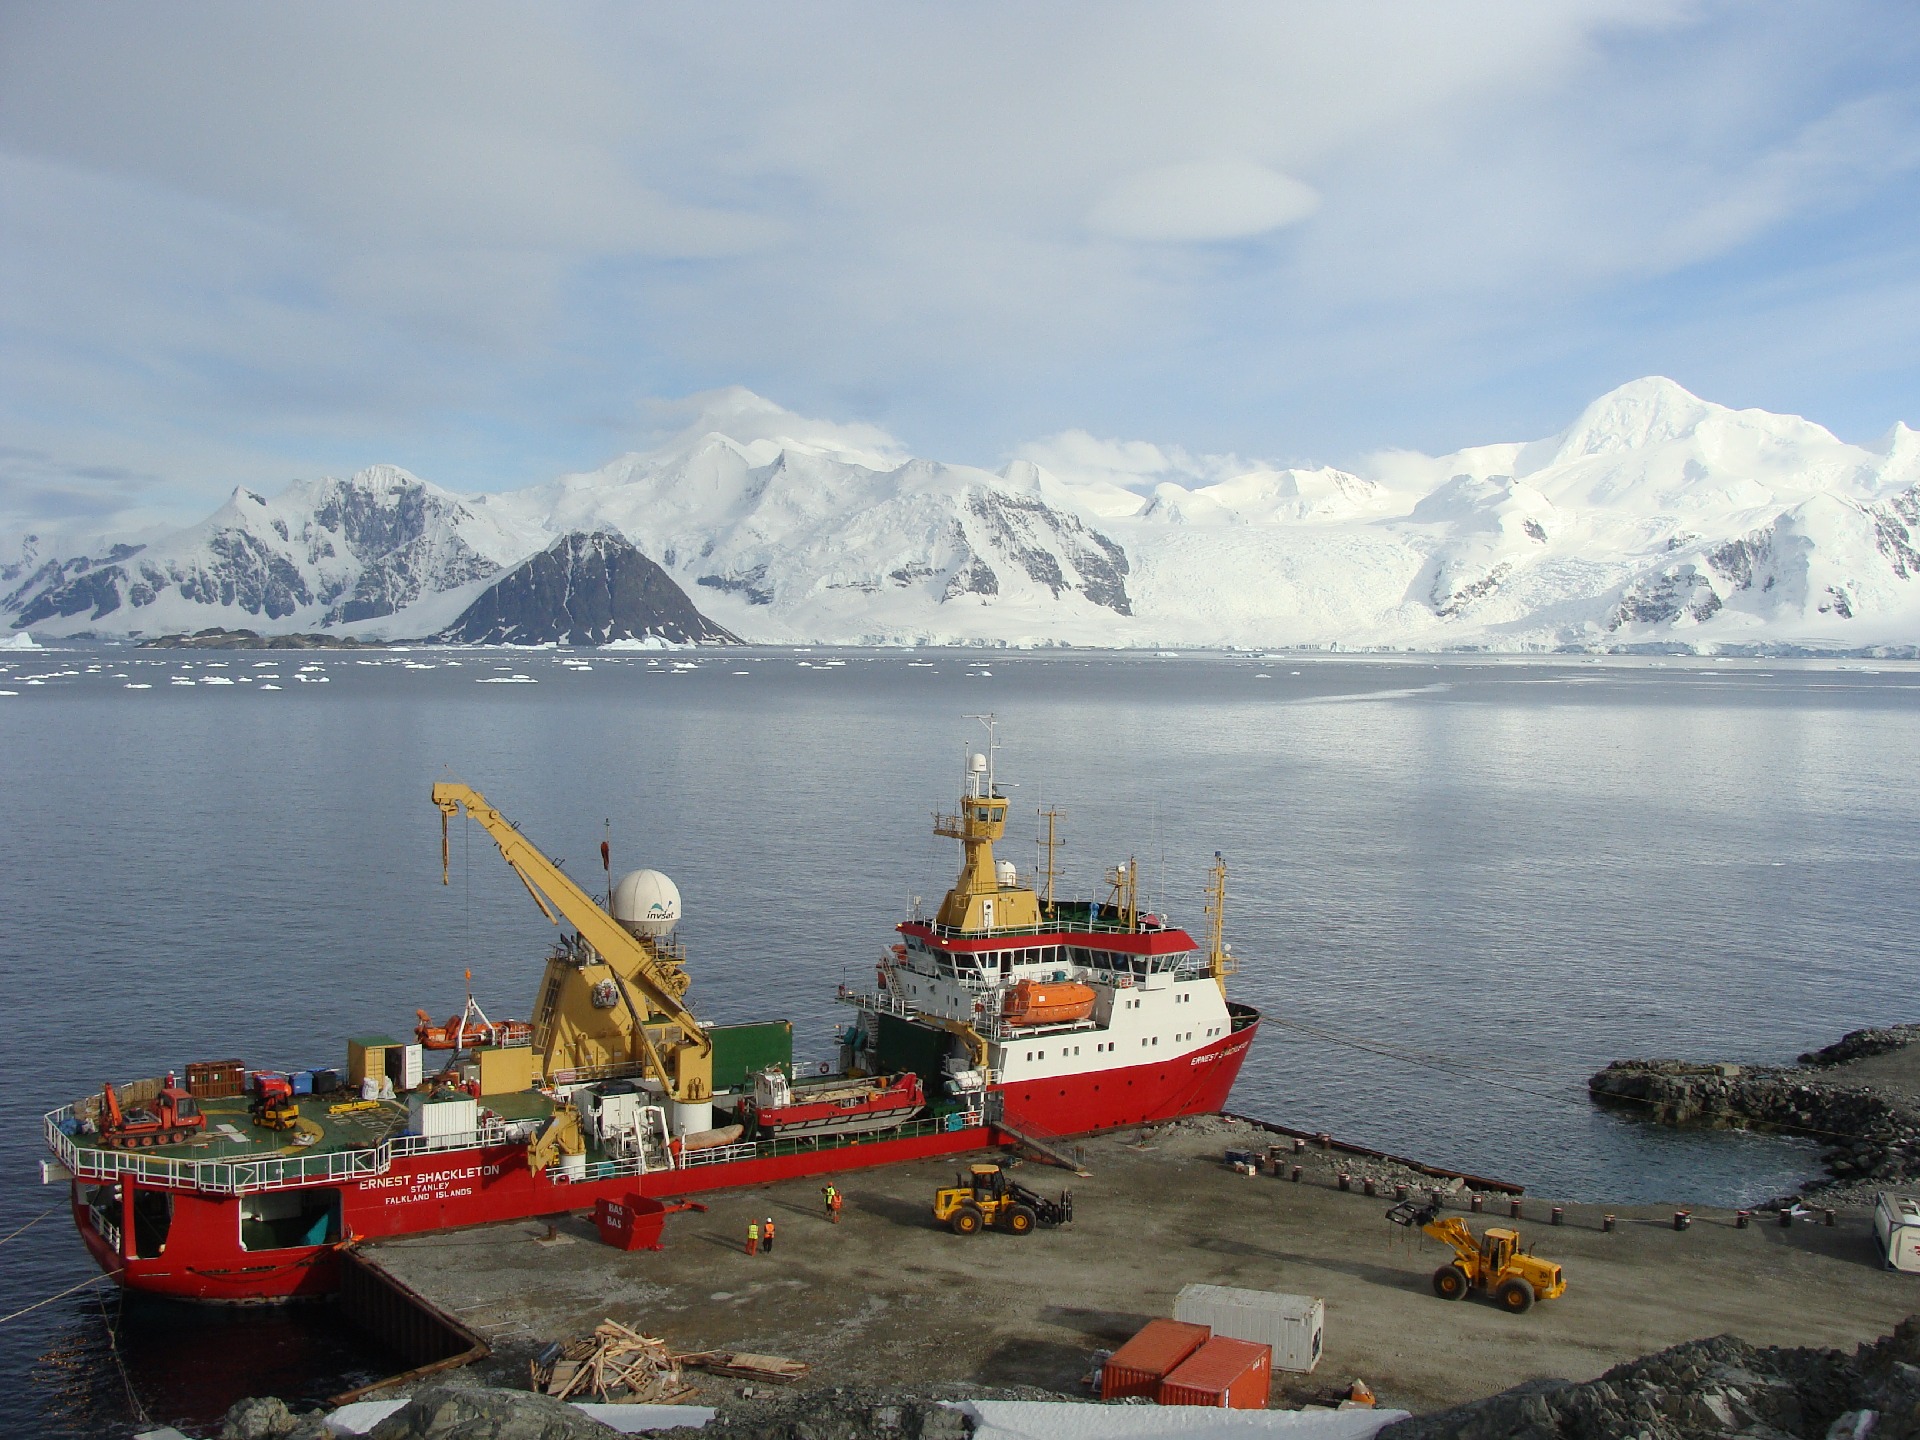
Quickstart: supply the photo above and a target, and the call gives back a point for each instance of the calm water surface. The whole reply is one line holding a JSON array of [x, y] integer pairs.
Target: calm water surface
[[1456, 889]]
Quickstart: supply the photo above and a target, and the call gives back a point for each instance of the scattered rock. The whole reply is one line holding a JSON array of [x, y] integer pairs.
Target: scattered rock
[[266, 1418], [1707, 1390], [448, 1412], [1858, 1044], [835, 1413]]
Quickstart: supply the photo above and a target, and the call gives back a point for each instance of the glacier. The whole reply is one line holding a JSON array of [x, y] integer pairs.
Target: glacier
[[1656, 519]]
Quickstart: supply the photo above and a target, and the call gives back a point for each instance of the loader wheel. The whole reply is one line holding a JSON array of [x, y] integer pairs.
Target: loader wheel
[[967, 1220], [1021, 1220], [1450, 1282], [1514, 1296]]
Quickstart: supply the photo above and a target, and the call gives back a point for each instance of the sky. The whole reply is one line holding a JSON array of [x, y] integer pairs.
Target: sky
[[248, 244]]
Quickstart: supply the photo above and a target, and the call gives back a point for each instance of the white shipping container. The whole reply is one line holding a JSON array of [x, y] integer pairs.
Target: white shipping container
[[1291, 1324], [438, 1119], [1896, 1224]]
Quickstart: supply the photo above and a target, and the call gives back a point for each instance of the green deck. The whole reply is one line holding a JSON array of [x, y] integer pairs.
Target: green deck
[[355, 1130]]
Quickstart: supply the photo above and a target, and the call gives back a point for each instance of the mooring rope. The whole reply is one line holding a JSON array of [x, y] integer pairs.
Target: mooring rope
[[27, 1309], [30, 1224]]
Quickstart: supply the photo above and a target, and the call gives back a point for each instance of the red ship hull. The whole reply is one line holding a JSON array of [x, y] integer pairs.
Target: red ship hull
[[203, 1259], [1192, 1084]]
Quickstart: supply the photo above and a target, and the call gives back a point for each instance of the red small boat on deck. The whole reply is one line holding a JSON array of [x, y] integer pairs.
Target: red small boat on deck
[[841, 1106]]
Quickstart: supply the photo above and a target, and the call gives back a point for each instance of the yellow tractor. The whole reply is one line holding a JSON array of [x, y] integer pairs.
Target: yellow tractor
[[985, 1196], [1494, 1265]]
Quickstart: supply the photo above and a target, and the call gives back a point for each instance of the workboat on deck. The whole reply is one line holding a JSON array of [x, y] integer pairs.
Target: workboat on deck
[[1007, 1015]]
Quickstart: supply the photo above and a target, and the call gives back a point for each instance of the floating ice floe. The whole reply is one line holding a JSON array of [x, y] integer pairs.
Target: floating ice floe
[[137, 685], [506, 680], [269, 687], [645, 642]]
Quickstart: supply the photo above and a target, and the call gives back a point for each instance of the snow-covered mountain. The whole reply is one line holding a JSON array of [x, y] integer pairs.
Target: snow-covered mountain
[[1656, 517]]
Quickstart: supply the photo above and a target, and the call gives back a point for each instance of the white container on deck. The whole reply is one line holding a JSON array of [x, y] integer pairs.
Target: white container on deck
[[437, 1120], [1896, 1224], [1291, 1324]]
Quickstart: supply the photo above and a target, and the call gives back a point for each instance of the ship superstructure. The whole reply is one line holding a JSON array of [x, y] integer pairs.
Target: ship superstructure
[[1008, 1015], [1070, 1015]]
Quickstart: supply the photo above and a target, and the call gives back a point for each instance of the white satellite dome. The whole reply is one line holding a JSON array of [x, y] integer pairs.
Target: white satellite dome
[[647, 903]]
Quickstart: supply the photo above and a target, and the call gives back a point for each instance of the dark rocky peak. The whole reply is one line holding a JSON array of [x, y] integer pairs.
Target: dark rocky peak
[[585, 589]]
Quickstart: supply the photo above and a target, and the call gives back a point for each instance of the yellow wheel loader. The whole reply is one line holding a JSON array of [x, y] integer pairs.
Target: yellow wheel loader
[[985, 1197], [1494, 1264]]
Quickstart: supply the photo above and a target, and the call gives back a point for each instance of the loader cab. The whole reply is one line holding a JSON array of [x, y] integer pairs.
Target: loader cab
[[987, 1182], [1497, 1250]]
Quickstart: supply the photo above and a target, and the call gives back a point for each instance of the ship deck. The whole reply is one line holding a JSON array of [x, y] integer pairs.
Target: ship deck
[[335, 1137]]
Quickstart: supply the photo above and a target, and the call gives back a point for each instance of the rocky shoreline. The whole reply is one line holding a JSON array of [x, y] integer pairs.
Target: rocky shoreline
[[1706, 1389], [1859, 1097], [1712, 1389]]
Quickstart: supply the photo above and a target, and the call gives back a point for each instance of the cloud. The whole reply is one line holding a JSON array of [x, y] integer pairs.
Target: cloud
[[466, 237], [1225, 199]]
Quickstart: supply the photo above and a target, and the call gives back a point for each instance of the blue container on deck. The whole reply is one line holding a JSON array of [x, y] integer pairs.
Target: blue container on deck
[[303, 1082]]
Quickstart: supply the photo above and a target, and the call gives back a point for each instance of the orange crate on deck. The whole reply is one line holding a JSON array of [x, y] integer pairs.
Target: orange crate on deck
[[216, 1079]]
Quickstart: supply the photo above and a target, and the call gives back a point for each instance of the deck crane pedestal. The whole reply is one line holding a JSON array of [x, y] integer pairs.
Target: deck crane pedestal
[[611, 1000]]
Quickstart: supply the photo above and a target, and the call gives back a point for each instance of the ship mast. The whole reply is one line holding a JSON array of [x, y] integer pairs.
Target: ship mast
[[1048, 870], [1219, 957]]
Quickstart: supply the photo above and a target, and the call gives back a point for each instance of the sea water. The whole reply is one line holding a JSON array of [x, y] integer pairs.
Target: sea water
[[1455, 887]]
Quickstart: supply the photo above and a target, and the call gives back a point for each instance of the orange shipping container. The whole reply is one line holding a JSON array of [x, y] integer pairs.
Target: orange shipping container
[[1227, 1374], [1138, 1367]]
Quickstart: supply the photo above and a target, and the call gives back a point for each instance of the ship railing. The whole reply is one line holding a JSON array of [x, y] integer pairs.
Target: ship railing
[[233, 1175], [968, 1117], [886, 1002]]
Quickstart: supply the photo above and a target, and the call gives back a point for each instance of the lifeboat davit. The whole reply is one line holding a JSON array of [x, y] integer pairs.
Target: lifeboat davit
[[1047, 1002], [462, 1032]]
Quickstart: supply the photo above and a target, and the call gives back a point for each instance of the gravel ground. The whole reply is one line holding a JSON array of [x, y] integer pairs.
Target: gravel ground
[[886, 1299]]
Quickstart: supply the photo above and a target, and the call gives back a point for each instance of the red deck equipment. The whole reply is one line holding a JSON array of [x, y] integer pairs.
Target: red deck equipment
[[1226, 1374], [1138, 1367], [635, 1222]]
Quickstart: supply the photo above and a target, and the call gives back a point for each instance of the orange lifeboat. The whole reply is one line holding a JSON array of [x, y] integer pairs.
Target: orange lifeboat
[[1051, 1002]]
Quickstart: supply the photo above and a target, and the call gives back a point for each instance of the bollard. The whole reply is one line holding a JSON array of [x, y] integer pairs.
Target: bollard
[[1326, 1141], [1399, 1192], [1436, 1198], [1513, 1208], [1476, 1203], [1786, 1218], [1742, 1218], [1606, 1224], [1557, 1215], [1346, 1180], [1829, 1215], [1368, 1182], [1299, 1144], [1295, 1177], [1682, 1219]]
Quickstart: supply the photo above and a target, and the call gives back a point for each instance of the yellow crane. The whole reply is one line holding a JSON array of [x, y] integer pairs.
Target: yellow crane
[[587, 1018]]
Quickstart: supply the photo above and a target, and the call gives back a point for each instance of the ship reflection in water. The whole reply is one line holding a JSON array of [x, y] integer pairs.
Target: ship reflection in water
[[126, 1363]]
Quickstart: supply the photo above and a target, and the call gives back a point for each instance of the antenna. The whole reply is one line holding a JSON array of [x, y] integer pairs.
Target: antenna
[[992, 745]]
